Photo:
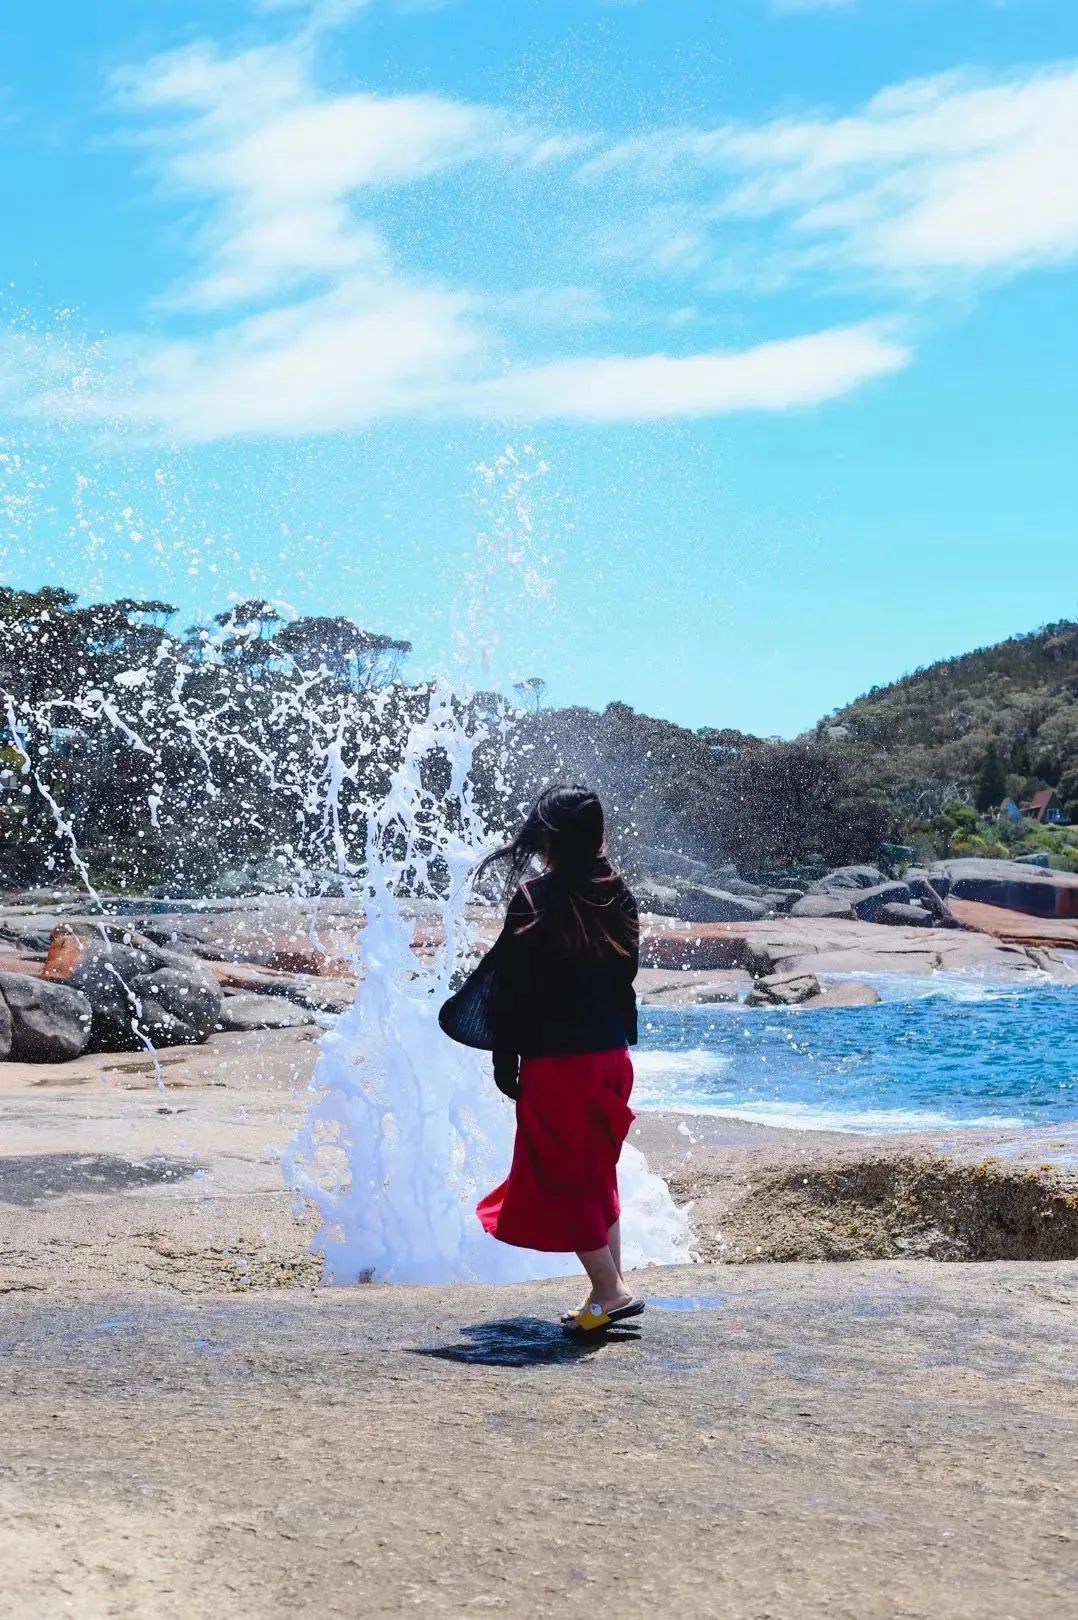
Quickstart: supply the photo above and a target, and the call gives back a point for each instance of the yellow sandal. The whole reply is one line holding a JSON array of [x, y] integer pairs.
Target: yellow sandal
[[593, 1319], [588, 1319]]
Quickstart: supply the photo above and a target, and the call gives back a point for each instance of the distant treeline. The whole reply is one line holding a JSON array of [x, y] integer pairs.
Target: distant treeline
[[184, 760]]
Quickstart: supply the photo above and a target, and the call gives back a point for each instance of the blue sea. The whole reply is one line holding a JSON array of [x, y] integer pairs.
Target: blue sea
[[934, 1055]]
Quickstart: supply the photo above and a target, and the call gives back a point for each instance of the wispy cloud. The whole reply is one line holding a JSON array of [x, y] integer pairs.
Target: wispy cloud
[[934, 179], [282, 166], [366, 353], [778, 376], [301, 318]]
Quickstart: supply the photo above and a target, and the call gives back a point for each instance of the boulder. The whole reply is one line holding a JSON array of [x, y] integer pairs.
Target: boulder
[[846, 993], [822, 905], [899, 915], [924, 887], [31, 933], [918, 880], [1014, 927], [47, 1023], [697, 903], [805, 991], [848, 877], [310, 962], [783, 990], [691, 987], [247, 1012], [656, 988], [316, 994], [932, 900], [868, 903], [181, 1006], [673, 946], [669, 895], [671, 862], [653, 894], [137, 993], [1014, 887]]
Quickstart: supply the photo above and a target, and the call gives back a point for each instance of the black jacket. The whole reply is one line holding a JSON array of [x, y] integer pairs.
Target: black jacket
[[534, 996]]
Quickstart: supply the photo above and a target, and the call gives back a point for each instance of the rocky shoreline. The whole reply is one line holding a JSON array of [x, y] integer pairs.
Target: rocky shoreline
[[149, 975], [196, 1427], [182, 1176], [231, 995]]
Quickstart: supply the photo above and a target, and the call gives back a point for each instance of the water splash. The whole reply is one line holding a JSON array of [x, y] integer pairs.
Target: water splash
[[407, 1130]]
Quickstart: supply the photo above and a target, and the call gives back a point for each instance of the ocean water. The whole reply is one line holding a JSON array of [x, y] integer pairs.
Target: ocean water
[[932, 1056]]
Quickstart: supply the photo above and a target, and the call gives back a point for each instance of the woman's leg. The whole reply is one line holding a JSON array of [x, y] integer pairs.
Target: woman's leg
[[613, 1238], [607, 1284]]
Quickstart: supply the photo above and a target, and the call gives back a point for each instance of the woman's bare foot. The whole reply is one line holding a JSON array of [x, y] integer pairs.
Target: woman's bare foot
[[623, 1297]]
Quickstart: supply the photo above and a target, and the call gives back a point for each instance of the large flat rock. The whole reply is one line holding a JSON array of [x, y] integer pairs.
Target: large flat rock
[[828, 1443], [1015, 927], [687, 988], [1030, 889], [796, 944]]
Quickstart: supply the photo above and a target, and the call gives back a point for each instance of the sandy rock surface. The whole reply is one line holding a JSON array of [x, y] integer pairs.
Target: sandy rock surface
[[853, 1443], [658, 987]]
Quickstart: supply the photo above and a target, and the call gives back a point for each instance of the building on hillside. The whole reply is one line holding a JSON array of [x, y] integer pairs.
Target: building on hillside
[[1046, 808], [1009, 811]]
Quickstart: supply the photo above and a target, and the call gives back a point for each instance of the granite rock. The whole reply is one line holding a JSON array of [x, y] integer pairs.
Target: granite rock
[[47, 1023]]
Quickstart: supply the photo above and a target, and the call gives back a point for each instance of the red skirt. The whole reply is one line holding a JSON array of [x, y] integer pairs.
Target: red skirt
[[561, 1194]]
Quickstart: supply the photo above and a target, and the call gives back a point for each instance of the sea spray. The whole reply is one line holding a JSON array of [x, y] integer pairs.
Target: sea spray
[[407, 1129]]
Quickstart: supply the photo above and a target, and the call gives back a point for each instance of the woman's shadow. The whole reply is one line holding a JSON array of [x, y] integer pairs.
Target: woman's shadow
[[524, 1341]]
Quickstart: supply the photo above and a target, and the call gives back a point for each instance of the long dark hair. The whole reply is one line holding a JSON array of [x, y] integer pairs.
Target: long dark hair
[[586, 901]]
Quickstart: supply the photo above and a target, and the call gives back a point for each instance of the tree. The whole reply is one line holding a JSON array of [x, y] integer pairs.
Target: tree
[[991, 786], [249, 628], [360, 659], [785, 802], [531, 692]]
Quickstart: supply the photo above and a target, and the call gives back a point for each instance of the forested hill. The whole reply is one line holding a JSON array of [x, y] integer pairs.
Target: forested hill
[[182, 760], [1003, 719]]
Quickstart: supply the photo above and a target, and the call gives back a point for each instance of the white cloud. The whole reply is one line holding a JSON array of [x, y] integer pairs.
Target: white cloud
[[325, 365], [366, 353], [282, 166], [304, 322], [779, 376], [933, 179]]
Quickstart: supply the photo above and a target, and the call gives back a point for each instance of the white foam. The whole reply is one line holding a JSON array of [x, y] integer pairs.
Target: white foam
[[655, 1065], [953, 986], [812, 1117]]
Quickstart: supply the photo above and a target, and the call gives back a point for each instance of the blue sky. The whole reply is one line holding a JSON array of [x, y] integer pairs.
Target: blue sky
[[773, 299]]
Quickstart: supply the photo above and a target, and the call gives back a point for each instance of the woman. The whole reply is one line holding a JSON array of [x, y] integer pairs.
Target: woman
[[553, 1000]]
